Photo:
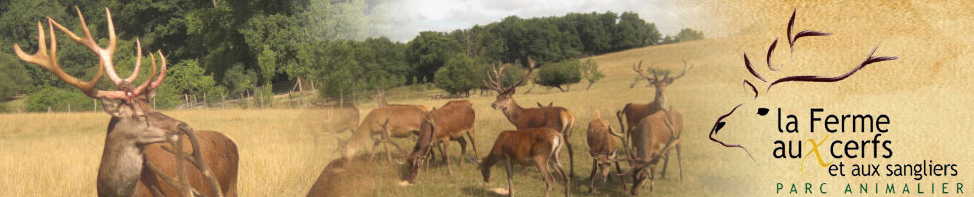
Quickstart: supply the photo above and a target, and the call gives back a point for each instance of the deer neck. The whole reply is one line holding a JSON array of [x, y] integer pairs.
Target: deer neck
[[121, 164], [660, 101], [513, 112]]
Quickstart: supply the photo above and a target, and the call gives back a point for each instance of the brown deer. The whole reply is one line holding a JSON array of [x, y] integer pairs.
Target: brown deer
[[652, 139], [634, 112], [603, 147], [132, 163], [451, 121], [384, 123], [538, 147], [557, 118]]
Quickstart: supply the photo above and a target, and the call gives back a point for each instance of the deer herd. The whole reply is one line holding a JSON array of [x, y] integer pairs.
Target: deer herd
[[139, 154]]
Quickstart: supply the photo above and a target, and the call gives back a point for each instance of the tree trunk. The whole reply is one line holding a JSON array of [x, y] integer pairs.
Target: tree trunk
[[562, 89], [589, 85]]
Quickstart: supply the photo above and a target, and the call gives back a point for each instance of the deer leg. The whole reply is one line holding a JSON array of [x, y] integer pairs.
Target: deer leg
[[385, 146], [446, 157], [679, 160], [545, 175], [374, 147], [561, 172], [666, 162], [463, 149], [473, 143], [510, 176], [591, 181]]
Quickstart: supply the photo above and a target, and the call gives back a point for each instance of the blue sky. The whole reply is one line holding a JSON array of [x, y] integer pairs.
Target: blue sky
[[409, 17]]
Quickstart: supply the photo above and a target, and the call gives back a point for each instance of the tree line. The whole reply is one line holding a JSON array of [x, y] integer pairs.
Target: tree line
[[242, 49]]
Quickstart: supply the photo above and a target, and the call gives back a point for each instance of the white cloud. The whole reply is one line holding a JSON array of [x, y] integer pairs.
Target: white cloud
[[409, 17]]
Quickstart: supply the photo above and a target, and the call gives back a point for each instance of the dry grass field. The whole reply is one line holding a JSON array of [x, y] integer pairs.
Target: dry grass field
[[284, 150]]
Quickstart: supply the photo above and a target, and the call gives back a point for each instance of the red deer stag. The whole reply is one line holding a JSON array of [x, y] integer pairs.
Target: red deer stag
[[603, 147], [652, 138], [538, 147], [133, 163], [557, 118], [452, 121], [634, 112]]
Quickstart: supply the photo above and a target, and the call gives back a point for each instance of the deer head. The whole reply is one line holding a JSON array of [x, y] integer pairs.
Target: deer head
[[656, 81], [417, 158], [504, 93]]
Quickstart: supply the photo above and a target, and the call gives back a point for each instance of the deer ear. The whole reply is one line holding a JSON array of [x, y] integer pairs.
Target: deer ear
[[115, 109]]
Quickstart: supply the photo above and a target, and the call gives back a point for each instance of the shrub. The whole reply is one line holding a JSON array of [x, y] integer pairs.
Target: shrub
[[59, 100], [556, 75], [590, 71], [458, 75]]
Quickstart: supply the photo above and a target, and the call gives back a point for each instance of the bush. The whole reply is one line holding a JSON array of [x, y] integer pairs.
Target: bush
[[556, 75], [590, 71], [59, 100], [167, 97], [458, 75]]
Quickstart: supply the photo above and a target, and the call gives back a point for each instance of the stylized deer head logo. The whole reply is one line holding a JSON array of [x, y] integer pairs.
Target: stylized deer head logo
[[792, 38]]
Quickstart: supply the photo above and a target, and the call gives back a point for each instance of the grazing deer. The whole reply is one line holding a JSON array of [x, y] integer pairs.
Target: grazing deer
[[132, 163], [652, 139], [603, 148], [557, 118], [634, 112], [538, 147], [452, 121], [384, 123]]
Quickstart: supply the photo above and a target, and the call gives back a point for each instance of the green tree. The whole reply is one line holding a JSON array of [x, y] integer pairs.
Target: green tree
[[428, 52], [241, 81], [560, 74], [590, 71], [688, 34], [13, 77], [458, 75]]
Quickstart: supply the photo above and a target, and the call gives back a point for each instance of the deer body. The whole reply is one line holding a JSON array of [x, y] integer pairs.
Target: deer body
[[527, 147], [603, 147], [449, 122], [403, 120], [652, 140], [220, 153]]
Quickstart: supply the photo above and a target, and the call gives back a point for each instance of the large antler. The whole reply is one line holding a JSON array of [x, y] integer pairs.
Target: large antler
[[638, 68], [656, 79], [47, 59], [685, 68], [496, 82]]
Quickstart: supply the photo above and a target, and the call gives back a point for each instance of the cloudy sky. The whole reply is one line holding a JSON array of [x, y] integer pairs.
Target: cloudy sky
[[409, 17]]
